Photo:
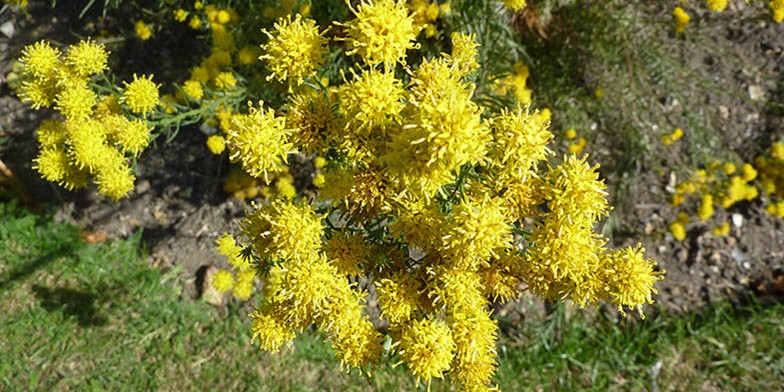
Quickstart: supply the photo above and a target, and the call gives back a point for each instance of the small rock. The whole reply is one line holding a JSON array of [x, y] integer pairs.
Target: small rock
[[208, 293], [8, 29], [724, 112], [756, 92], [143, 187], [737, 220], [682, 255]]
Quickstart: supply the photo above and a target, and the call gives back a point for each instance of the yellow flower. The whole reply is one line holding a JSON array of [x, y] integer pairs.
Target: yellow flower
[[282, 230], [51, 133], [777, 8], [141, 95], [515, 5], [40, 92], [748, 172], [681, 19], [372, 98], [722, 229], [717, 5], [476, 230], [259, 140], [294, 50], [381, 32], [347, 252], [216, 144], [475, 336], [224, 17], [728, 168], [142, 30], [705, 210], [75, 102], [225, 81], [319, 180], [40, 59], [194, 23], [193, 89], [87, 58], [398, 297], [52, 164], [134, 138], [115, 181], [464, 50], [578, 147], [180, 15], [427, 347], [285, 188], [222, 281], [630, 277], [570, 133]]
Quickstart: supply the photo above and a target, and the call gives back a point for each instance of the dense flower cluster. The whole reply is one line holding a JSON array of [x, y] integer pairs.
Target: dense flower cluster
[[724, 184], [96, 136], [444, 205]]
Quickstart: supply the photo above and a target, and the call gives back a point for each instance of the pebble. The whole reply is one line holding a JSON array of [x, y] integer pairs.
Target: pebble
[[8, 29]]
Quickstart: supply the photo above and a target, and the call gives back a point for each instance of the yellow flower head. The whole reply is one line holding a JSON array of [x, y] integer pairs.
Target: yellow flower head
[[294, 50], [180, 15], [225, 81], [134, 137], [75, 102], [193, 89], [717, 5], [40, 59], [115, 181], [347, 252], [87, 58], [259, 140], [630, 277], [681, 19], [142, 30], [475, 230], [222, 281], [515, 5], [381, 32], [284, 231], [398, 296], [40, 92], [427, 347], [465, 51], [678, 231], [51, 133], [141, 95], [475, 336], [372, 98], [216, 144], [52, 164], [575, 193], [269, 331], [777, 9]]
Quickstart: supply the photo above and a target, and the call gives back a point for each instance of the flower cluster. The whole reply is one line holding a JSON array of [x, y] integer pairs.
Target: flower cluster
[[97, 133], [442, 204], [724, 184]]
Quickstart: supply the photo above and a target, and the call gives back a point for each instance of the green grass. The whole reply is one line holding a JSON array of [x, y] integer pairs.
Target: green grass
[[78, 316]]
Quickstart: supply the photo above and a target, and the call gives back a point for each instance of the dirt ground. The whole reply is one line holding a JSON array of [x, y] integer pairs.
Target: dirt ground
[[179, 204]]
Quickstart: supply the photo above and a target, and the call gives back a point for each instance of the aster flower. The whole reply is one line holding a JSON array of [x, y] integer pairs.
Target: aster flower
[[141, 95], [87, 58], [40, 59], [630, 277], [259, 140], [427, 348], [381, 32], [294, 50]]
